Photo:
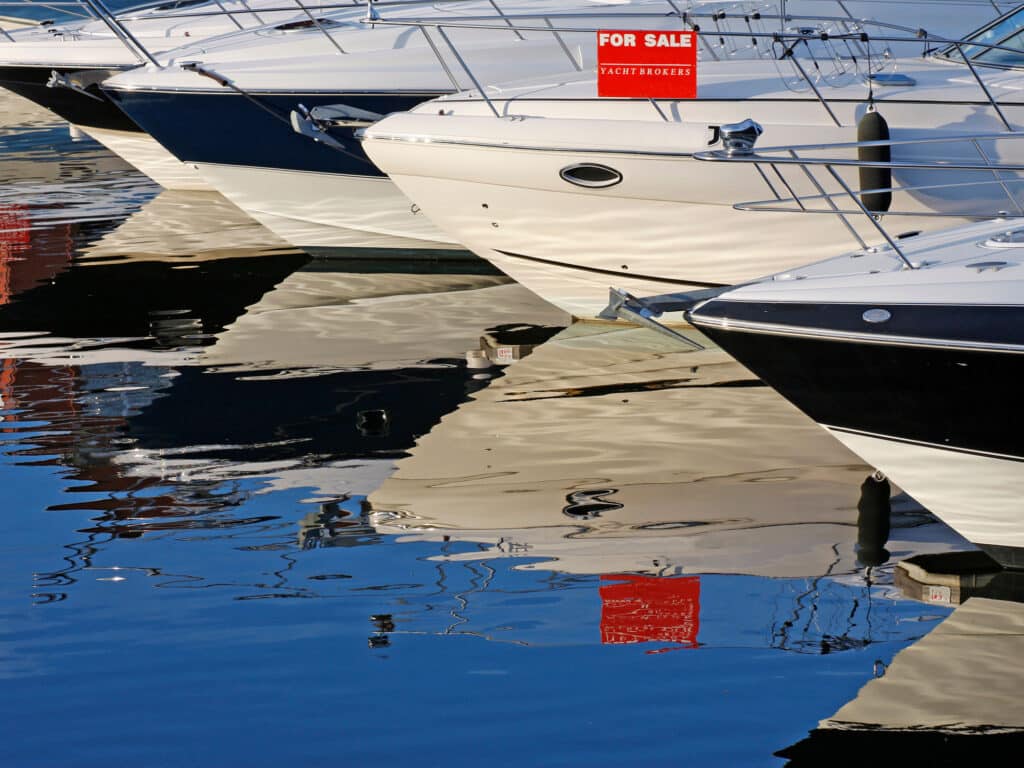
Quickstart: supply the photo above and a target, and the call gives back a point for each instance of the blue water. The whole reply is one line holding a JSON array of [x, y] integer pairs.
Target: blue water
[[197, 571]]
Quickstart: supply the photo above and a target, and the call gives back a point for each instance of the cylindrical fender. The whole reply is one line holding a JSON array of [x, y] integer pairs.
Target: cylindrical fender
[[872, 127]]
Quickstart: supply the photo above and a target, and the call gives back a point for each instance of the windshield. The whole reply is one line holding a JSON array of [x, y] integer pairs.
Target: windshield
[[1006, 32]]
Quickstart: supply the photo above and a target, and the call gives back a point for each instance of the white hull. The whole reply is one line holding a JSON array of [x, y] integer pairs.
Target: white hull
[[668, 225], [146, 154], [498, 185], [327, 212], [978, 496]]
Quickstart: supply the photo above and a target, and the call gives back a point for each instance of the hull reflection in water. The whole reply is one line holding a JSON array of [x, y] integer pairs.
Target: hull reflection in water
[[951, 698], [602, 456], [612, 454], [177, 378]]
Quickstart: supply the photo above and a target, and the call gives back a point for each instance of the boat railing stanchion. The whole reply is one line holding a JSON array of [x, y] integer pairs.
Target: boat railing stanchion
[[995, 174], [249, 8], [231, 16], [577, 65], [871, 217], [807, 79], [467, 70], [440, 58], [316, 23], [508, 21], [119, 30], [832, 204], [659, 110], [981, 84]]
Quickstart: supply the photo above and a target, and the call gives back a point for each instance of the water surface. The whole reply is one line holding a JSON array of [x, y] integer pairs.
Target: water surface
[[263, 509]]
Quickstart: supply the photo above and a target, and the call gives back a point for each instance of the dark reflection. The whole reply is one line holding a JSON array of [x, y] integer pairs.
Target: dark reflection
[[174, 379], [151, 302], [951, 578], [586, 505], [874, 511]]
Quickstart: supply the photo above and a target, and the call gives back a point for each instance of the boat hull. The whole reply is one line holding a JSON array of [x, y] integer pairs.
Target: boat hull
[[935, 417], [315, 197], [332, 215], [94, 110], [669, 222]]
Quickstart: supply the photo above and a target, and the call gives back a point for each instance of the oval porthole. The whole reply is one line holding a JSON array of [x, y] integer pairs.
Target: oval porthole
[[309, 23], [590, 175], [877, 315]]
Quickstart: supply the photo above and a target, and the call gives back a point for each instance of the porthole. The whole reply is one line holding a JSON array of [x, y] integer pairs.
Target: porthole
[[590, 175], [306, 24]]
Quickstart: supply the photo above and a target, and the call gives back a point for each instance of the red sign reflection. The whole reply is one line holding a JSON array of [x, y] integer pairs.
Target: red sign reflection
[[637, 609]]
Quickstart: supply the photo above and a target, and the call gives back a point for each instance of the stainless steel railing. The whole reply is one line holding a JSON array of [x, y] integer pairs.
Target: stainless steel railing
[[809, 159]]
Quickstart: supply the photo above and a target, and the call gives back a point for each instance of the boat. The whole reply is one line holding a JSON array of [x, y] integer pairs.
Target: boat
[[58, 60], [277, 111], [907, 353], [568, 192], [912, 369]]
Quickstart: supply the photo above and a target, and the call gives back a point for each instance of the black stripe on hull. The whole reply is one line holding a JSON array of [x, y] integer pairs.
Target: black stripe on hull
[[958, 399], [77, 108], [938, 324], [227, 128]]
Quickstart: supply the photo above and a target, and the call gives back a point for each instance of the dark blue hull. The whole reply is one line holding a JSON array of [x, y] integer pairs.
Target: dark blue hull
[[229, 128], [938, 375], [88, 110]]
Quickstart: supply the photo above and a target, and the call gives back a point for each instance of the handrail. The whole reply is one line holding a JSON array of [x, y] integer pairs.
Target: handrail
[[781, 156], [545, 23]]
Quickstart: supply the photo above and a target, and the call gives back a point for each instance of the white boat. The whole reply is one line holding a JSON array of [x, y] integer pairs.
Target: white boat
[[568, 193], [324, 194], [318, 191]]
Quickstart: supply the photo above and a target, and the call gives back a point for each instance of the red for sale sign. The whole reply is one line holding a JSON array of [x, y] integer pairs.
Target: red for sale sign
[[642, 64]]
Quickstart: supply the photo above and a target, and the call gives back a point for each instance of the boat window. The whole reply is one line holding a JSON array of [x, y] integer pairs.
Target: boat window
[[590, 175], [306, 24], [1007, 31]]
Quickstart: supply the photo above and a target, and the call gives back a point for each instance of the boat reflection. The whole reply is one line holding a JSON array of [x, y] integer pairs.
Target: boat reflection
[[59, 178], [600, 459], [951, 698], [172, 380], [612, 454]]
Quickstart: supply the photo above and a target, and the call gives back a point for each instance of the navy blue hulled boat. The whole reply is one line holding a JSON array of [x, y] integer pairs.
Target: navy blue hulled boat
[[59, 64], [915, 368]]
